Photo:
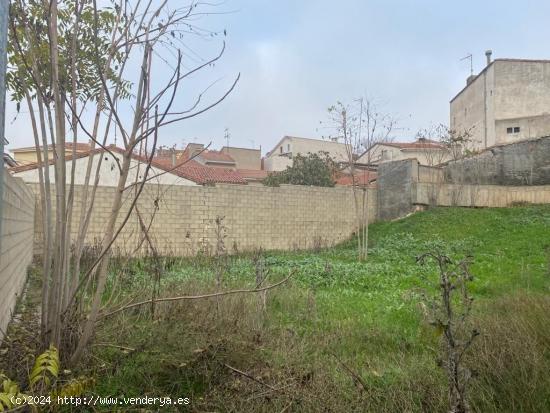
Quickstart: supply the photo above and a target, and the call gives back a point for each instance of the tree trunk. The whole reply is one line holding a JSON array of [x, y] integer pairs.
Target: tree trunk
[[104, 263]]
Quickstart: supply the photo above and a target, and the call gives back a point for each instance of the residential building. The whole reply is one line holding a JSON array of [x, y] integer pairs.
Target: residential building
[[27, 155], [426, 151], [244, 158], [289, 146], [508, 101]]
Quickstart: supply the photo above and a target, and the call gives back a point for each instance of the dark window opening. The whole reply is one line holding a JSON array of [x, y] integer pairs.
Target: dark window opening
[[516, 129]]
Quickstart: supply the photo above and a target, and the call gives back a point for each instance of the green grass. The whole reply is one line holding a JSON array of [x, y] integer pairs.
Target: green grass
[[338, 312]]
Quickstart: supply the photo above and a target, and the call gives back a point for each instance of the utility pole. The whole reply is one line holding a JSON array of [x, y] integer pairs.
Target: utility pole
[[4, 10]]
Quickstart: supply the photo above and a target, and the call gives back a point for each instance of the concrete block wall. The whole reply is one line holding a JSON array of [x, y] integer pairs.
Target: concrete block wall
[[522, 163], [283, 218], [404, 186], [16, 241], [396, 185], [495, 196]]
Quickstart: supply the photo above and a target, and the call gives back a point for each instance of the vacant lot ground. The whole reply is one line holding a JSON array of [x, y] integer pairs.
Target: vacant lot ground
[[340, 336], [338, 318]]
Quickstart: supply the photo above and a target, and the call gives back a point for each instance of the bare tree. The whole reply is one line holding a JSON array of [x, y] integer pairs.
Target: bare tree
[[450, 315], [220, 232], [360, 126], [72, 57], [429, 138], [434, 152], [262, 272]]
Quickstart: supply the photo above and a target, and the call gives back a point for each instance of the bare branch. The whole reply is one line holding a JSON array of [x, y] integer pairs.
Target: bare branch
[[200, 297]]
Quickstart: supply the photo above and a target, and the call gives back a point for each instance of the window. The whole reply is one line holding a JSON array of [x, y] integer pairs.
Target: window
[[513, 130], [516, 129]]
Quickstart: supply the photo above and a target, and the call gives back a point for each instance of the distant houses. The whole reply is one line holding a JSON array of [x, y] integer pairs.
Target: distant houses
[[197, 164], [194, 165]]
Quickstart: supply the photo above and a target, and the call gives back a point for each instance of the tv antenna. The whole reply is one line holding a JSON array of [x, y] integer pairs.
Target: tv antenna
[[226, 136], [471, 58]]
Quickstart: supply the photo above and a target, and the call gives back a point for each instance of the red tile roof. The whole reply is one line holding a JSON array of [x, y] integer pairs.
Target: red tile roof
[[216, 156], [201, 174], [253, 174]]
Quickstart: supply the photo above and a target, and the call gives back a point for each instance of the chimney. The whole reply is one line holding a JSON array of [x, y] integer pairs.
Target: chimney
[[173, 156], [194, 148], [488, 54]]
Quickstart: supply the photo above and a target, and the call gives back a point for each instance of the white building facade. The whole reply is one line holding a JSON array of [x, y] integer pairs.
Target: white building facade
[[508, 101], [289, 146]]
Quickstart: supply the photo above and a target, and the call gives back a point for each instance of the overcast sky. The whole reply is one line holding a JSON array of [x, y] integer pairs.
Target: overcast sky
[[296, 58]]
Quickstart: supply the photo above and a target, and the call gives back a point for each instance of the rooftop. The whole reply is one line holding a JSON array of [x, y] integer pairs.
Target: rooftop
[[201, 174], [503, 60], [206, 154]]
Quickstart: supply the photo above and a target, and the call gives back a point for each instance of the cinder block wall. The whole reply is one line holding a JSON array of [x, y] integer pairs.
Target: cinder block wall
[[16, 249], [283, 218]]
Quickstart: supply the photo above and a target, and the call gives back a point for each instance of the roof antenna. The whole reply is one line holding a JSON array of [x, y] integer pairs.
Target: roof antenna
[[471, 58], [226, 136]]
